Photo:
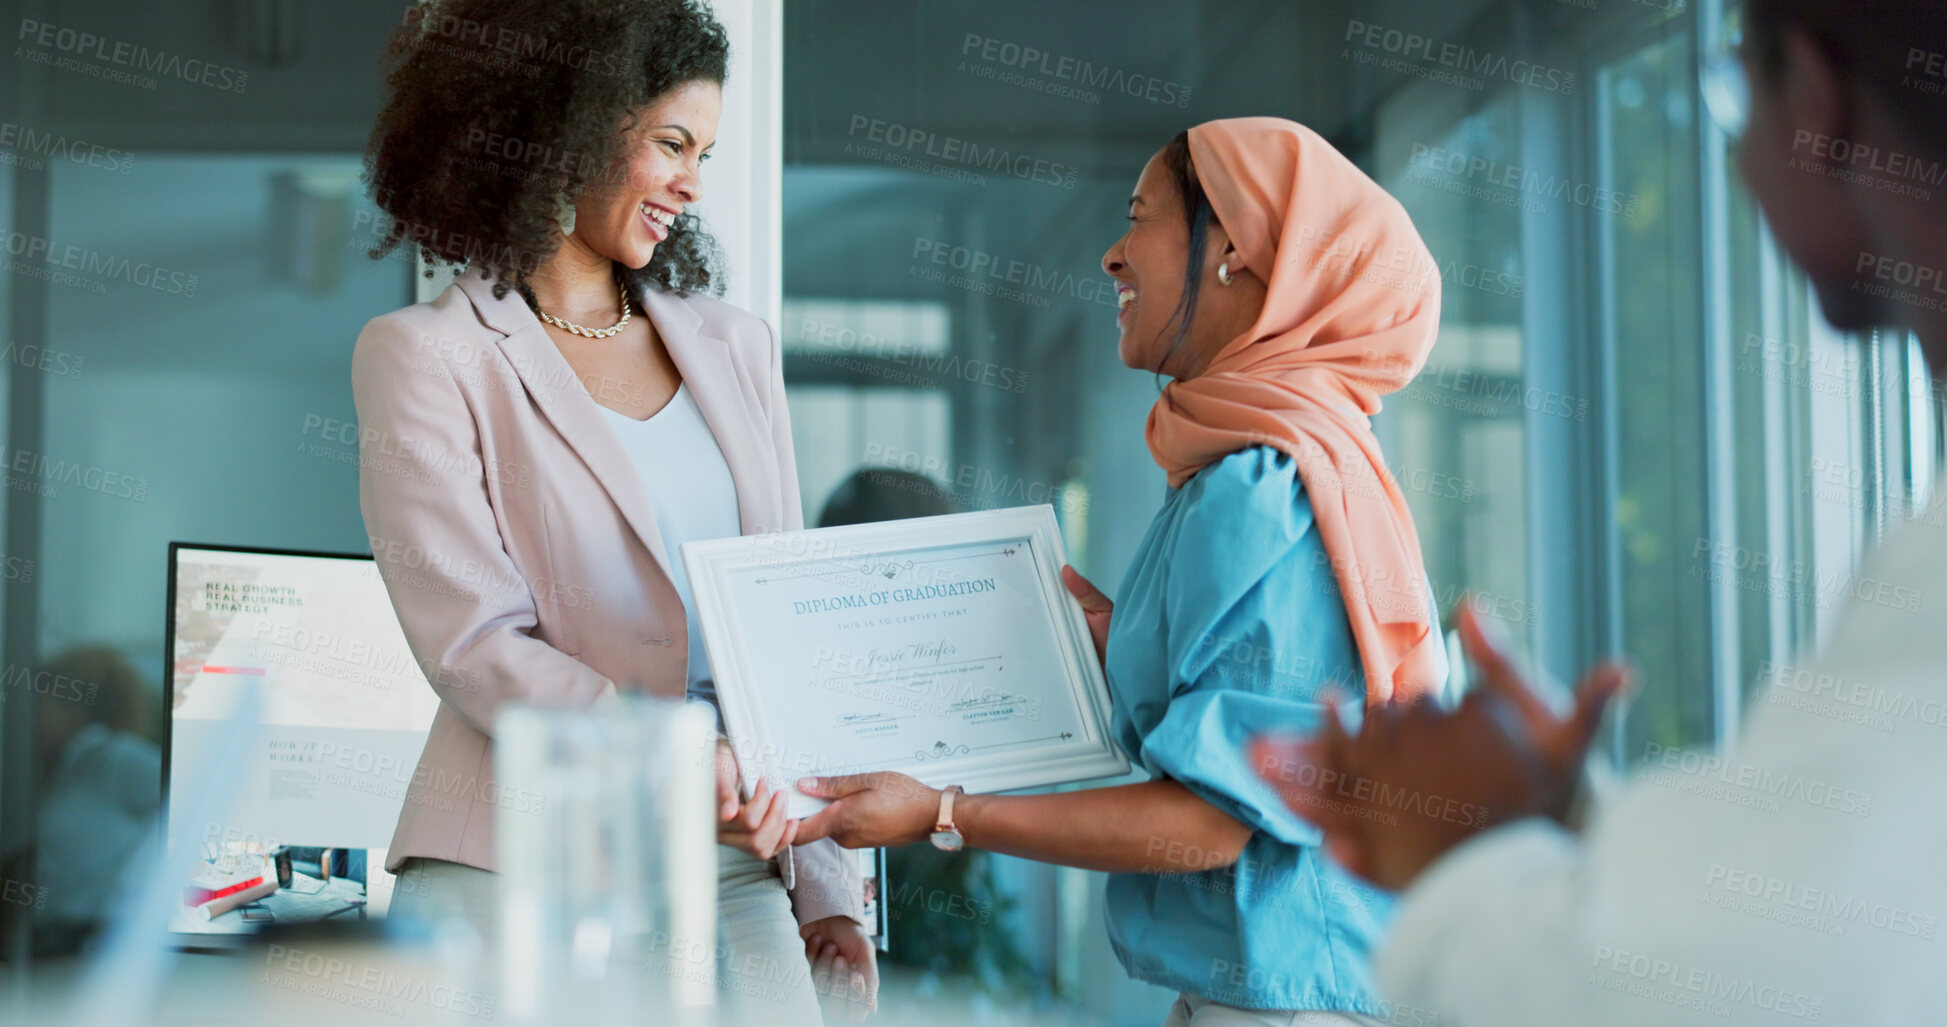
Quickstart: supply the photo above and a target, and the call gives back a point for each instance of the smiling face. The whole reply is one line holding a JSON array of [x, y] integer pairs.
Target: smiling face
[[1148, 265], [661, 175]]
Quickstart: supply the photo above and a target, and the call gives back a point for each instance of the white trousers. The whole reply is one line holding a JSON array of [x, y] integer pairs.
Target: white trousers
[[762, 974], [1197, 1011]]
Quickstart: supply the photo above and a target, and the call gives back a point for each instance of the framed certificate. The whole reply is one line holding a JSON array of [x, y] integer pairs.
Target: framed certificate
[[942, 647]]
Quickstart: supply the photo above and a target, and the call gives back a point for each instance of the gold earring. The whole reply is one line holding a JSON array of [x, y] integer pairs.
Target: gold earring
[[1223, 273], [564, 213]]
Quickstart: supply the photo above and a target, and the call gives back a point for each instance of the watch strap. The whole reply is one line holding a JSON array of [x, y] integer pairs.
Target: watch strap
[[945, 822]]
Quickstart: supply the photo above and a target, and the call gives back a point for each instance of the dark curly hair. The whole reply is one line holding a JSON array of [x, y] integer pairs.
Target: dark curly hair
[[496, 105]]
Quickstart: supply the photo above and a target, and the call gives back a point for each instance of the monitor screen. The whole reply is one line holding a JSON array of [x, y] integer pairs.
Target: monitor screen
[[346, 709]]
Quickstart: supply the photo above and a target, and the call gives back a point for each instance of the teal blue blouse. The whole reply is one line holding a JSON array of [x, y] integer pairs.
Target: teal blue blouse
[[1229, 623]]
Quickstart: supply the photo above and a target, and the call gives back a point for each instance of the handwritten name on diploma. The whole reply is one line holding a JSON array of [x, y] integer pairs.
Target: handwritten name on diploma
[[858, 600], [877, 659]]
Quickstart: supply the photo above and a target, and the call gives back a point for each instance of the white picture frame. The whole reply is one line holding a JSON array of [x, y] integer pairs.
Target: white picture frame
[[973, 721]]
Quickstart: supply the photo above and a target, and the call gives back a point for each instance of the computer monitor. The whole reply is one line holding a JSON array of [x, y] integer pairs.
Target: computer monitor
[[346, 709]]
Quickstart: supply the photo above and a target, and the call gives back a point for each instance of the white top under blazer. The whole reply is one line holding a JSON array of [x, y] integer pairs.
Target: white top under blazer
[[683, 470]]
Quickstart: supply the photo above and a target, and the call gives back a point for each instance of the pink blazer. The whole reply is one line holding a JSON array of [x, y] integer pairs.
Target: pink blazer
[[518, 545]]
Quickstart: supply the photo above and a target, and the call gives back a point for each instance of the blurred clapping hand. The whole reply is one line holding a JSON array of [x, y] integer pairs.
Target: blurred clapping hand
[[1415, 781]]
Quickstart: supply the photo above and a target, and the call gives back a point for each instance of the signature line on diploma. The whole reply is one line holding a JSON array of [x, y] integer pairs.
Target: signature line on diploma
[[1064, 736], [919, 669]]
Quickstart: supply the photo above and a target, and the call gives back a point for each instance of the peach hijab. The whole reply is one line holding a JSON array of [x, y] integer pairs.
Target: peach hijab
[[1352, 307]]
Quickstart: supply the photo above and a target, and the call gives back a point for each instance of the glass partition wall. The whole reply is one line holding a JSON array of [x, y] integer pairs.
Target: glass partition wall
[[184, 275]]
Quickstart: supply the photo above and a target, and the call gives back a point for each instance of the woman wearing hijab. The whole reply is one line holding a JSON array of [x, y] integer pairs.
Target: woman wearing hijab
[[1283, 292]]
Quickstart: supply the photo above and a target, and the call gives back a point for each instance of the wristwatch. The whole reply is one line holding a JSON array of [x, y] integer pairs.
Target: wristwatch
[[946, 836]]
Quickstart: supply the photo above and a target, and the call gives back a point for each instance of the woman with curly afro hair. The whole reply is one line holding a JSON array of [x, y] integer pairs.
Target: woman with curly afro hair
[[538, 440]]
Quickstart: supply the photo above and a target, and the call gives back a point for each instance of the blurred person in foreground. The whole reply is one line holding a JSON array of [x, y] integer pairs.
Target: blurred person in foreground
[[1793, 877]]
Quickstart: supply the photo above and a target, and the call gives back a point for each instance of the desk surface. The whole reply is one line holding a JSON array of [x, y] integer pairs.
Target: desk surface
[[249, 987]]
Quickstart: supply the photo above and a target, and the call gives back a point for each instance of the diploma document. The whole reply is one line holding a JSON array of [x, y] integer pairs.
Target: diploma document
[[941, 647]]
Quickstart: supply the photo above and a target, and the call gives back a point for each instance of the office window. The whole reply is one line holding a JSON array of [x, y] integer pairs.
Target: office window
[[1651, 261], [191, 386], [866, 391], [1457, 436], [1695, 462]]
